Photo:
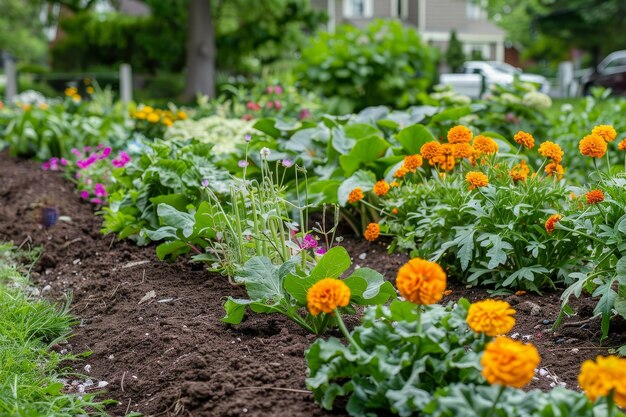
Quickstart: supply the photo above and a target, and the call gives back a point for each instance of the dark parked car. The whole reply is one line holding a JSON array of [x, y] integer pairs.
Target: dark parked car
[[610, 73]]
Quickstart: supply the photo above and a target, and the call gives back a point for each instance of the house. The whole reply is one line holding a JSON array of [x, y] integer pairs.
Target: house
[[434, 19]]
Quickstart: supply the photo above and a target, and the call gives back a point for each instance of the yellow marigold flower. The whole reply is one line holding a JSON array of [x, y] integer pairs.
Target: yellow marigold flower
[[153, 118], [485, 145], [593, 146], [551, 150], [148, 109], [401, 172], [520, 172], [606, 132], [462, 150], [492, 317], [509, 362], [43, 106], [394, 184], [555, 169], [430, 150], [551, 222], [326, 295], [476, 179], [395, 210], [182, 115], [90, 90], [71, 91], [381, 188], [594, 197], [372, 231], [525, 139], [412, 162], [140, 115], [76, 98], [459, 134], [604, 375], [622, 145], [167, 121], [421, 281]]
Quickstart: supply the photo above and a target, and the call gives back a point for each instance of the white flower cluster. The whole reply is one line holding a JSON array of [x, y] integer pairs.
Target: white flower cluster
[[223, 133], [537, 100]]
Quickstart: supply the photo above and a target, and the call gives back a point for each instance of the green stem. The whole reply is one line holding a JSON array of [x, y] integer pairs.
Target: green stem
[[495, 402], [345, 331], [610, 403]]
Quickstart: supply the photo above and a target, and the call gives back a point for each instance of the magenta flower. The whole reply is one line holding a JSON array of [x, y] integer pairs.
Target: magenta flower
[[308, 242], [45, 166], [278, 105], [304, 113], [287, 163], [99, 190], [76, 152], [320, 251], [269, 90], [96, 201], [84, 195], [87, 148], [105, 153], [243, 163], [122, 160], [278, 90], [64, 162]]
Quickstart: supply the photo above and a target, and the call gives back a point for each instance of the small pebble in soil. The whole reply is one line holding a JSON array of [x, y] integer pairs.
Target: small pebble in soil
[[87, 368], [560, 341], [363, 256], [546, 321]]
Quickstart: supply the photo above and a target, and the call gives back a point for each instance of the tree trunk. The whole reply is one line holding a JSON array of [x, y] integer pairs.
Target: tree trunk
[[201, 51]]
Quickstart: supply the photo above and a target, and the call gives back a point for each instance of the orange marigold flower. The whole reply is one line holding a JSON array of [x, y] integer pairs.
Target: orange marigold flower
[[459, 134], [485, 145], [372, 231], [551, 150], [381, 188], [622, 145], [430, 150], [604, 375], [412, 162], [401, 172], [551, 222], [447, 292], [355, 195], [445, 159], [594, 197], [476, 179], [421, 281], [555, 169], [520, 172], [326, 295], [462, 150], [520, 292], [606, 132], [509, 362], [525, 139], [395, 210], [492, 317], [593, 146]]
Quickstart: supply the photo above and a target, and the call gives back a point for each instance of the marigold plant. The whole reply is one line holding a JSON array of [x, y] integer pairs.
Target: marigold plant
[[355, 195], [509, 362], [622, 145], [372, 231], [476, 179], [401, 172], [381, 188], [430, 151], [554, 169], [492, 317], [598, 378], [593, 146], [520, 172], [484, 145], [551, 150], [594, 197], [326, 295], [463, 150], [421, 282], [459, 134], [606, 132], [412, 162], [551, 222], [525, 139]]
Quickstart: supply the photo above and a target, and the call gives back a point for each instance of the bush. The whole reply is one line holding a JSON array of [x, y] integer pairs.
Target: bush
[[385, 64]]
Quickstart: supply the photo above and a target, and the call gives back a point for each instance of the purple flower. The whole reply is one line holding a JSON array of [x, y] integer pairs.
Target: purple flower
[[248, 138], [243, 163], [54, 161], [105, 153], [84, 195], [87, 148], [287, 163], [99, 190], [308, 242], [45, 166], [64, 162], [204, 183], [122, 160], [76, 152], [320, 251], [96, 201]]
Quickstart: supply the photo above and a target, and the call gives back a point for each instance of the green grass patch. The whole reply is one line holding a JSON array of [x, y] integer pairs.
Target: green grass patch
[[31, 373]]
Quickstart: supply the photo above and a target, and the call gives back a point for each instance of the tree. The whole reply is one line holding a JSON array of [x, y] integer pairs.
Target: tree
[[201, 51], [21, 30], [454, 54]]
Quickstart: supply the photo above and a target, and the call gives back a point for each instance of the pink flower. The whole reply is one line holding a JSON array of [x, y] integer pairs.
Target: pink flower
[[308, 242], [304, 113], [251, 105], [84, 195], [287, 163], [87, 148], [278, 105], [45, 166], [278, 90], [269, 90], [76, 152], [64, 162], [270, 105], [243, 163], [320, 251], [122, 160], [105, 153], [96, 201], [247, 117], [99, 190]]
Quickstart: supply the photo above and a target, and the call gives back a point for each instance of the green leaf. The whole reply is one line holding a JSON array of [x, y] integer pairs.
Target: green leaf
[[267, 126], [235, 309], [361, 130], [413, 137], [365, 150], [179, 220], [178, 201], [261, 279], [451, 114], [368, 287], [173, 248]]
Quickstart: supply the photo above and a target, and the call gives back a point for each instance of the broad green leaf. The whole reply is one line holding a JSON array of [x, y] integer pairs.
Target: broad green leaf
[[180, 220], [360, 130], [235, 309], [173, 248], [261, 279], [267, 125], [368, 287], [365, 150], [178, 201], [451, 114], [413, 137]]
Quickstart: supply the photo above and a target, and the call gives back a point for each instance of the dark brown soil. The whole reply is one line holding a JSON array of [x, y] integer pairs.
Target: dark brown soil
[[171, 355]]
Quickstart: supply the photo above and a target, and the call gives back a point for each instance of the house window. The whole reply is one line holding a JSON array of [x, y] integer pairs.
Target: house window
[[400, 9], [358, 8], [475, 9]]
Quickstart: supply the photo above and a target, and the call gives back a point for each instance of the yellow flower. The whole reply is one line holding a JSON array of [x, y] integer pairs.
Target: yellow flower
[[355, 195], [462, 150], [148, 109], [421, 281], [476, 179], [554, 169], [622, 145], [394, 184], [459, 134], [372, 232], [606, 132], [43, 106], [76, 98], [551, 150], [594, 197], [167, 121], [551, 222], [153, 117], [412, 162], [593, 146], [604, 375], [182, 115], [381, 188], [492, 317], [430, 150], [140, 115], [71, 91], [525, 139], [326, 295], [520, 172], [509, 362], [484, 145], [90, 90]]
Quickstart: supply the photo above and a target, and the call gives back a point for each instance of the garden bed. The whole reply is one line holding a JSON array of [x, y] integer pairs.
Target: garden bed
[[154, 328]]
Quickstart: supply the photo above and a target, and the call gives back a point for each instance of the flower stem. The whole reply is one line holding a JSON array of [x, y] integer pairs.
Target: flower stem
[[495, 402], [346, 333], [610, 403]]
